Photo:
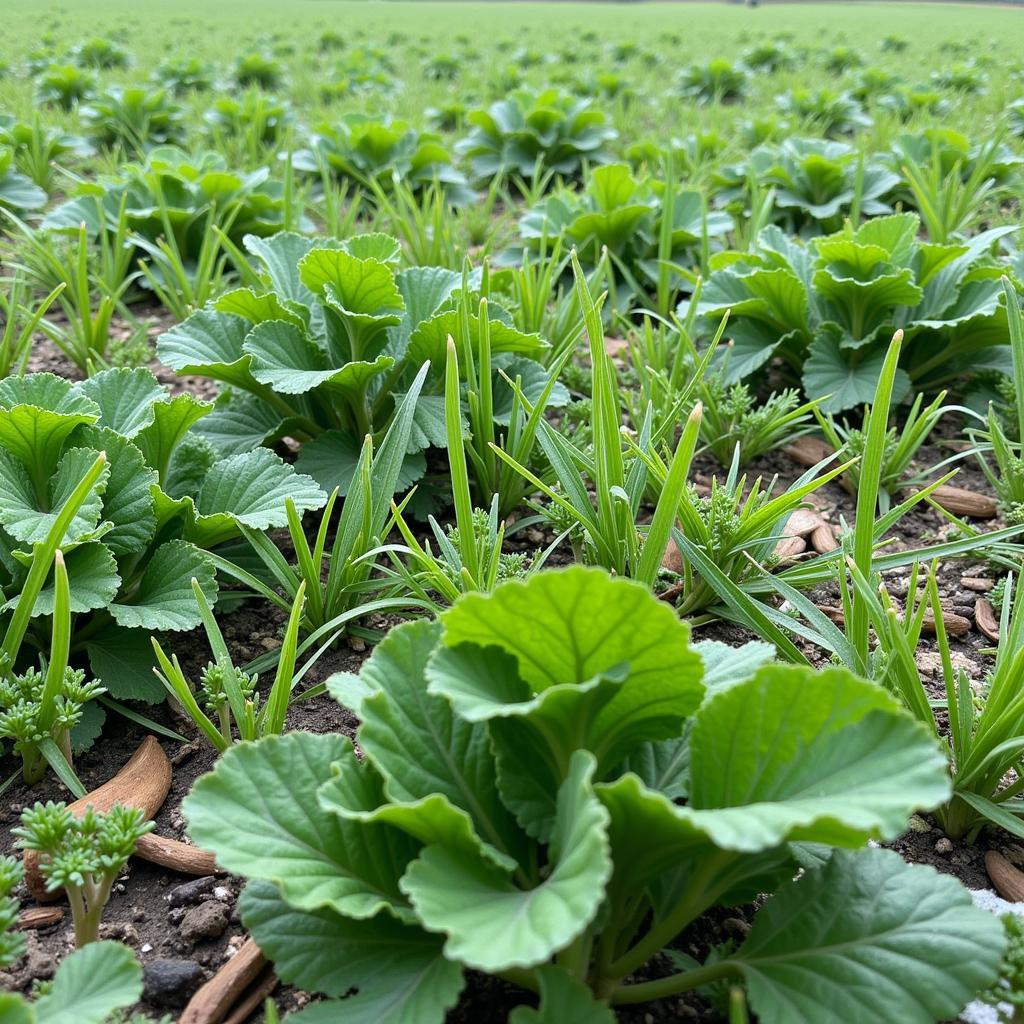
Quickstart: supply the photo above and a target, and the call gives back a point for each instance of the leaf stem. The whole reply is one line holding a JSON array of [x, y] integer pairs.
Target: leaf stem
[[685, 981]]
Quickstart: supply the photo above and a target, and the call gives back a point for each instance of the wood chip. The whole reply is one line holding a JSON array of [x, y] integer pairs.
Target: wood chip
[[1007, 880], [835, 614], [40, 917], [673, 560], [956, 625], [254, 1000], [802, 523], [615, 346], [178, 856], [962, 502], [219, 996], [822, 539], [985, 618], [809, 451], [978, 584], [790, 547], [143, 782]]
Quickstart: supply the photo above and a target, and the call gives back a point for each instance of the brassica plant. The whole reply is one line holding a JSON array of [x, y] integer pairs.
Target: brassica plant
[[371, 152], [329, 341], [815, 183], [164, 497], [645, 224], [530, 133], [133, 117], [17, 192], [827, 309], [553, 784]]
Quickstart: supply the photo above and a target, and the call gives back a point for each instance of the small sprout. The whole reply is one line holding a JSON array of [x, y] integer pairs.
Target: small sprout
[[25, 704], [83, 855], [12, 943]]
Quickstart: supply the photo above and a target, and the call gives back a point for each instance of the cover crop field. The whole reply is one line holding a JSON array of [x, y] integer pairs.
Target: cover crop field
[[511, 512]]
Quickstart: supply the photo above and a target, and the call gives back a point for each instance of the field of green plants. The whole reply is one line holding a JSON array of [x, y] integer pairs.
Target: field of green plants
[[511, 512]]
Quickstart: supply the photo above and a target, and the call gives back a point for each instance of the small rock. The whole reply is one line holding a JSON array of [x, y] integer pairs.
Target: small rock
[[207, 921], [736, 926], [191, 892], [120, 931], [978, 584], [944, 846], [146, 947], [918, 824], [39, 963], [357, 644], [930, 663], [170, 982], [223, 894]]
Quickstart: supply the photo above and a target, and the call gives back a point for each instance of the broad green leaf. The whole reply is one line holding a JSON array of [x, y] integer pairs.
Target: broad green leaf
[[374, 245], [210, 344], [288, 360], [90, 985], [568, 627], [424, 290], [535, 735], [866, 304], [128, 499], [790, 755], [362, 287], [725, 665], [46, 391], [490, 923], [280, 256], [163, 598], [35, 435], [532, 377], [663, 766], [356, 793], [244, 302], [429, 341], [331, 460], [88, 729], [751, 344], [784, 294], [171, 422], [125, 398], [896, 234], [249, 490], [571, 624], [285, 357], [420, 748], [20, 511], [848, 377], [428, 423], [240, 422], [122, 659], [258, 812], [866, 938], [15, 1010], [92, 574], [795, 735], [563, 1000], [398, 971]]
